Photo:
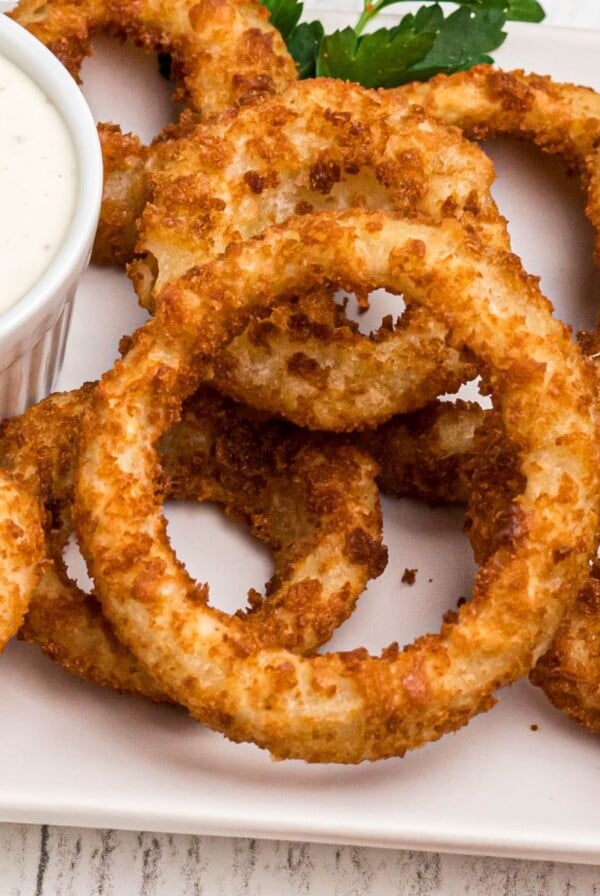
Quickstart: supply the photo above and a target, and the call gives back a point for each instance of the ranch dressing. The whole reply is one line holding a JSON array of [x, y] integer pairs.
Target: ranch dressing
[[38, 177]]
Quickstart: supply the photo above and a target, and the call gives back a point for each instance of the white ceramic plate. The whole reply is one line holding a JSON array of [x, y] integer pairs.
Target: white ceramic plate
[[77, 755]]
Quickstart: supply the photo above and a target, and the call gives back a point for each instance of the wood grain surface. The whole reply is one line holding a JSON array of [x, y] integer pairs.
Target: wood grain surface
[[46, 861]]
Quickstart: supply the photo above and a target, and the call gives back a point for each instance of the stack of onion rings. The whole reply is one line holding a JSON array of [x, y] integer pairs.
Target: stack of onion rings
[[346, 707], [294, 359]]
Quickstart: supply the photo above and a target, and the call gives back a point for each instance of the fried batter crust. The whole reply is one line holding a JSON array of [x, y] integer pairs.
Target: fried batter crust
[[21, 554], [426, 454], [124, 194]]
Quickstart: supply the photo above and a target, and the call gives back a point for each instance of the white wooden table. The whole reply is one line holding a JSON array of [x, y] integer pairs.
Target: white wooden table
[[53, 861]]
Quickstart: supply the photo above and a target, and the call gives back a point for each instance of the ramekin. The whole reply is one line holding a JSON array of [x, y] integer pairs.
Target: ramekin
[[33, 331]]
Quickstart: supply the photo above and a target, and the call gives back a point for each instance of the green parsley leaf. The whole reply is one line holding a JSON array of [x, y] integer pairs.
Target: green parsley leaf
[[284, 15], [516, 10], [303, 44], [525, 11], [380, 59], [419, 46]]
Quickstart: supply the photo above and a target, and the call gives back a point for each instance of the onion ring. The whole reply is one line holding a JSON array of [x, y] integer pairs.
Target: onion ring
[[124, 195], [308, 497], [569, 673], [435, 454], [21, 554], [321, 145], [346, 707], [562, 119]]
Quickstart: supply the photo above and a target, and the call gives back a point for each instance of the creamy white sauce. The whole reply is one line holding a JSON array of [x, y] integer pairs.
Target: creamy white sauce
[[38, 176]]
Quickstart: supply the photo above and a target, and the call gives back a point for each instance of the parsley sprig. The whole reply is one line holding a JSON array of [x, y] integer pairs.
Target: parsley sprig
[[419, 46]]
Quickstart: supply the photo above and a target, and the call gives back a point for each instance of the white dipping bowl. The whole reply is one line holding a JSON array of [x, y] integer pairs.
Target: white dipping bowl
[[33, 331]]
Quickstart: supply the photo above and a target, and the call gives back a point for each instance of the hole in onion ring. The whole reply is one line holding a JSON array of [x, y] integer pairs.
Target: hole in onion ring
[[369, 313], [559, 213], [214, 548], [442, 577], [210, 545], [142, 102]]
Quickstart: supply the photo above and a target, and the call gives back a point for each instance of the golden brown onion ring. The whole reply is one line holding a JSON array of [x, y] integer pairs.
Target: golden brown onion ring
[[21, 554], [346, 707], [562, 119], [322, 145], [124, 194], [569, 673], [310, 498]]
